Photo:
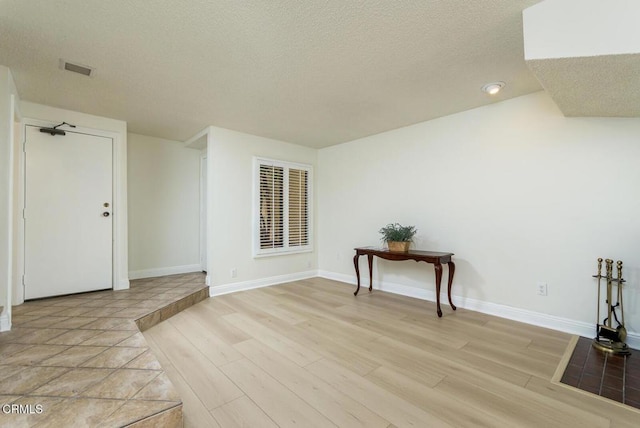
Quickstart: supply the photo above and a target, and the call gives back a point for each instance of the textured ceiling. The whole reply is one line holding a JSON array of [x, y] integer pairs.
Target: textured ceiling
[[586, 55], [606, 85], [310, 72]]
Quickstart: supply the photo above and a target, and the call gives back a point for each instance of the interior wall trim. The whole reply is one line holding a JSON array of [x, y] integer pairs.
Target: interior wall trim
[[174, 270], [219, 290], [552, 322], [5, 324]]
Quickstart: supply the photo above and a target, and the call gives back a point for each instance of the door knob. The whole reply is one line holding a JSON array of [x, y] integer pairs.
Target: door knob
[[105, 214]]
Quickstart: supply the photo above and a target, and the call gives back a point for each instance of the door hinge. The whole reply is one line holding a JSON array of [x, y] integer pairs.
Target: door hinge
[[23, 280], [24, 147], [24, 213]]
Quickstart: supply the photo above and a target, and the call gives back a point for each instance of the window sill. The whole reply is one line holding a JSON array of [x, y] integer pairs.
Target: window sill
[[282, 253]]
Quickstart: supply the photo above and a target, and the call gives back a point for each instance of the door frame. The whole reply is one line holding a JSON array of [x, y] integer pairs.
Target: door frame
[[203, 210], [119, 272], [203, 141], [15, 136]]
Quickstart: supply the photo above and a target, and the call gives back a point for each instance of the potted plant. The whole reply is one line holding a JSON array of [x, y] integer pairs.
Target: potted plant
[[398, 237]]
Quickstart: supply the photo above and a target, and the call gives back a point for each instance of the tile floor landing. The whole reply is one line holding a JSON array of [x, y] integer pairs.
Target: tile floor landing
[[615, 377], [81, 360]]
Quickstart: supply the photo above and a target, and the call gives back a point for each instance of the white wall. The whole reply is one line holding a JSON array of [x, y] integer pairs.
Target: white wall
[[8, 100], [230, 169], [118, 130], [518, 192], [164, 181]]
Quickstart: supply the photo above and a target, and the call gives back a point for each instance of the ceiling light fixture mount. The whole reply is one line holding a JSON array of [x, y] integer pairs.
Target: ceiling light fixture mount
[[493, 87]]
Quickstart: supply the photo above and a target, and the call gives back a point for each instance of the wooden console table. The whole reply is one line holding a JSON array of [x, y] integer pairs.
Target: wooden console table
[[435, 258]]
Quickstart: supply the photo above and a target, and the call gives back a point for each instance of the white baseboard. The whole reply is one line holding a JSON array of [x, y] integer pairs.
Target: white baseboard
[[523, 315], [219, 290], [123, 284], [5, 324], [152, 273]]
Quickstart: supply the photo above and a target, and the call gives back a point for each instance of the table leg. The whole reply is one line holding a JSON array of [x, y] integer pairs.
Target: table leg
[[438, 268], [370, 257], [355, 263], [452, 270]]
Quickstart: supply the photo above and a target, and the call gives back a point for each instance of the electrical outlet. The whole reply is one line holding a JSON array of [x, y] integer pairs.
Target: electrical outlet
[[541, 288], [234, 273]]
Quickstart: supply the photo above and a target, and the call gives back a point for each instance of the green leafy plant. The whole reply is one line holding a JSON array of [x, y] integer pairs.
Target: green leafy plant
[[397, 232]]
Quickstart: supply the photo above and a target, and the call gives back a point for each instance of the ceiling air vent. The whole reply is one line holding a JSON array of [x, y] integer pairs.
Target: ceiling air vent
[[76, 68]]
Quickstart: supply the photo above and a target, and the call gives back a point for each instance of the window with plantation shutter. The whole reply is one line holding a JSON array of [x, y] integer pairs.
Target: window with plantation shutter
[[298, 208], [282, 207], [271, 207]]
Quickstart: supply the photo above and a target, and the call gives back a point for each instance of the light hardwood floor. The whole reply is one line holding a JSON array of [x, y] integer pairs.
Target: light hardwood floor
[[309, 353]]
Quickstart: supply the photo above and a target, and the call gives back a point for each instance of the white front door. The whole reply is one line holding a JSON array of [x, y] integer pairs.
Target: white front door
[[68, 207]]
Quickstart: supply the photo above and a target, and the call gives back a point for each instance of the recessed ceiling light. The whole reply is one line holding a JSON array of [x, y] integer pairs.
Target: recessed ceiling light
[[493, 88]]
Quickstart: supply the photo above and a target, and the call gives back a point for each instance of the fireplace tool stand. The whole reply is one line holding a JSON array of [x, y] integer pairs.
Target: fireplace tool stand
[[608, 338]]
